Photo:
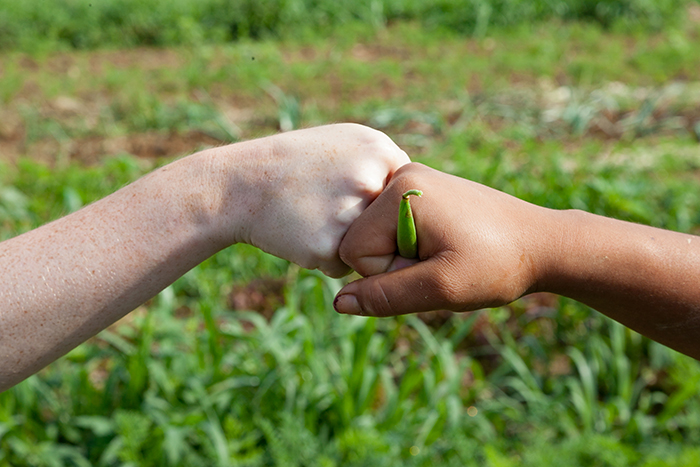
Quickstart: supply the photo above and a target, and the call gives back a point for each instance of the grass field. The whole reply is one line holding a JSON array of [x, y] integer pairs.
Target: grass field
[[243, 362]]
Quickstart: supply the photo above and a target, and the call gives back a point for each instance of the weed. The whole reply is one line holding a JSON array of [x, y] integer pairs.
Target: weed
[[31, 25], [186, 380]]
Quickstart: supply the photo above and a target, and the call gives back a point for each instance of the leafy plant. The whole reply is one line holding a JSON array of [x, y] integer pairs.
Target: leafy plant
[[191, 378], [83, 24]]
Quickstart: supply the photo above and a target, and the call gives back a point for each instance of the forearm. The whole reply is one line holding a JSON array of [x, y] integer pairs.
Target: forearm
[[64, 282], [479, 247], [293, 195], [643, 277]]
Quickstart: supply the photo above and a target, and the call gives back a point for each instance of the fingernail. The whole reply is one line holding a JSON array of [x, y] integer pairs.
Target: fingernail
[[347, 304]]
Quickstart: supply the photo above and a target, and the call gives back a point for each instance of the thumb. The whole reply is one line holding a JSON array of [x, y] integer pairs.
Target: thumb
[[413, 289]]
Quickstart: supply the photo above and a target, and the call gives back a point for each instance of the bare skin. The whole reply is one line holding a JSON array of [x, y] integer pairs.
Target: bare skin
[[293, 195], [481, 248]]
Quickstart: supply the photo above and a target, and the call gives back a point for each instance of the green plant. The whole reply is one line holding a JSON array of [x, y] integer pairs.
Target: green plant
[[83, 24], [569, 117]]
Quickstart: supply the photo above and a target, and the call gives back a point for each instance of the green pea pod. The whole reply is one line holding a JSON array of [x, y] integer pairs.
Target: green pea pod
[[406, 236]]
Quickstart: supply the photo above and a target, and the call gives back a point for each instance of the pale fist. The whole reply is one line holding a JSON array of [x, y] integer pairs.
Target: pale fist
[[310, 187]]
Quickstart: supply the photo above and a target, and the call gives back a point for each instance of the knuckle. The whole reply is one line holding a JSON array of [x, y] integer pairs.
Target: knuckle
[[408, 177]]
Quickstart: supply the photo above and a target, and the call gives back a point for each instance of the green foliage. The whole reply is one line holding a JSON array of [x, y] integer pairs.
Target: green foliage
[[187, 381], [141, 111], [624, 185], [81, 24]]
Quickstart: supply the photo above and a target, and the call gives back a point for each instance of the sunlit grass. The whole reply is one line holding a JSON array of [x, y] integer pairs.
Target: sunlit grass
[[190, 378]]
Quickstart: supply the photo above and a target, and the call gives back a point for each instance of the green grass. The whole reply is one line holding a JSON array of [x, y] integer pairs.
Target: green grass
[[404, 78], [34, 25], [189, 379]]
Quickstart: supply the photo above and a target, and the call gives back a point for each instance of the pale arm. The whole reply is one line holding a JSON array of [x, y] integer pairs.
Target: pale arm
[[67, 280], [293, 195]]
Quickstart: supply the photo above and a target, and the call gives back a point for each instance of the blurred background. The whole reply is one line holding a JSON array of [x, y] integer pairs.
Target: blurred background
[[583, 104]]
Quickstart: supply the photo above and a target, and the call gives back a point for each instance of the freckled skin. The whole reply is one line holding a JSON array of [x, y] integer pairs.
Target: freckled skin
[[293, 195], [482, 248]]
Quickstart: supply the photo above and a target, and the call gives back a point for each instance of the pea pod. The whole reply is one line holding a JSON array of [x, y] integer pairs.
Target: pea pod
[[406, 236]]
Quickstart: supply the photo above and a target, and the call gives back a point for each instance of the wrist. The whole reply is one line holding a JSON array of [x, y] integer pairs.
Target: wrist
[[552, 242], [236, 179], [563, 256], [216, 191]]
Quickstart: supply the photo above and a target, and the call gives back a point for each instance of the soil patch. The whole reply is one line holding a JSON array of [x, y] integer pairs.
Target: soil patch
[[91, 150]]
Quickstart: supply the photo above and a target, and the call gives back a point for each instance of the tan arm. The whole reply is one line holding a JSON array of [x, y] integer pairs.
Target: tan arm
[[481, 248], [643, 277]]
